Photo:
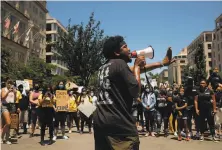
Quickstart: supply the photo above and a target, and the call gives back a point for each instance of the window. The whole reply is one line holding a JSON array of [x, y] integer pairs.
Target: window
[[209, 55], [210, 63], [184, 56], [209, 46], [48, 27], [220, 68], [219, 57], [48, 48], [182, 61]]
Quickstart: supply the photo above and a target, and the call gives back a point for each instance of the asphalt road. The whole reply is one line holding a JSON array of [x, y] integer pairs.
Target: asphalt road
[[86, 142]]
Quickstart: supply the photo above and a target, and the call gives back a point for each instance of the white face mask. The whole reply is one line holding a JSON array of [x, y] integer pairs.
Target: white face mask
[[92, 94], [147, 90]]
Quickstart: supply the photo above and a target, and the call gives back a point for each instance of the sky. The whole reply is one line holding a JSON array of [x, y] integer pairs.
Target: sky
[[159, 24]]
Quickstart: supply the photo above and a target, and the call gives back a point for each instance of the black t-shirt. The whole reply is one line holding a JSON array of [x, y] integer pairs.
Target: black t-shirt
[[24, 102], [204, 99], [181, 101], [117, 89], [190, 94], [161, 101]]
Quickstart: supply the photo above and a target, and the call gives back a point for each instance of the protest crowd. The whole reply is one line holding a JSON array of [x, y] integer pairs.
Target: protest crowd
[[58, 108]]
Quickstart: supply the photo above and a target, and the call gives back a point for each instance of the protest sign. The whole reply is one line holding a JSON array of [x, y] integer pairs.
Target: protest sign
[[87, 109], [30, 83], [61, 100], [24, 83]]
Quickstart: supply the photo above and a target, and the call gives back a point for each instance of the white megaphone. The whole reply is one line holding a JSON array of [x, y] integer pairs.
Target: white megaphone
[[147, 52]]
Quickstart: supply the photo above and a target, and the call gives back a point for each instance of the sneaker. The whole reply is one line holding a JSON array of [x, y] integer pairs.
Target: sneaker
[[201, 138], [152, 134], [179, 138], [8, 142], [1, 141], [166, 134], [50, 142], [175, 134], [54, 138], [42, 143], [70, 131], [65, 137], [215, 139], [147, 134]]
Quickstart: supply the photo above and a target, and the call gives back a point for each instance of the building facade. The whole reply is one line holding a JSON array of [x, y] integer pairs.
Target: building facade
[[27, 15], [217, 44], [163, 76], [53, 29], [176, 69], [206, 39]]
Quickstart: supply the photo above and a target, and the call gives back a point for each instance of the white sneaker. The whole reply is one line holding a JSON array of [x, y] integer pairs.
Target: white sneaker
[[147, 134], [54, 138], [70, 131], [201, 138], [8, 142], [65, 137], [152, 134], [175, 134]]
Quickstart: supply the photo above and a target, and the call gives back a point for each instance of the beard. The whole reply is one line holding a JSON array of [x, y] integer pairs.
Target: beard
[[125, 57]]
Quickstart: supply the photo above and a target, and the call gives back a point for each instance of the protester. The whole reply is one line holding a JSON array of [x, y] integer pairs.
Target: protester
[[8, 96], [181, 108], [149, 102], [60, 117], [85, 99], [73, 112], [113, 124], [162, 111], [33, 98], [46, 101], [205, 106]]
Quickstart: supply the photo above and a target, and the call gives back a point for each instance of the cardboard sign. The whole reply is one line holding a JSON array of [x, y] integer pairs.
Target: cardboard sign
[[14, 121], [24, 83], [87, 109], [30, 83], [62, 100]]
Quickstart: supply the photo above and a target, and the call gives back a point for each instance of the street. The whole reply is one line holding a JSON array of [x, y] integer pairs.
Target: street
[[86, 142]]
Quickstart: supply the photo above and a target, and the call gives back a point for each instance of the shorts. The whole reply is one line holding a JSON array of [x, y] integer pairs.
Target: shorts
[[23, 116], [4, 109], [10, 107], [116, 142]]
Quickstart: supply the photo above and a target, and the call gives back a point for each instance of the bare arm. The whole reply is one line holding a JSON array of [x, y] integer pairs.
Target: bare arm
[[4, 94], [214, 102], [196, 104]]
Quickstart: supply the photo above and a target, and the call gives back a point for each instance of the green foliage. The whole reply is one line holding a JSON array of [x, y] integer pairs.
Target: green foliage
[[198, 72], [200, 62], [81, 49]]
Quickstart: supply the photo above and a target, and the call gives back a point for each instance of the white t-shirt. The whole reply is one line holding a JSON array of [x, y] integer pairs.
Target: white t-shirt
[[94, 100], [10, 97]]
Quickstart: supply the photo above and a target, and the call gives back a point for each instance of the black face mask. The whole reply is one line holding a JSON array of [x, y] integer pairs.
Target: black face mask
[[36, 88], [202, 89], [21, 90]]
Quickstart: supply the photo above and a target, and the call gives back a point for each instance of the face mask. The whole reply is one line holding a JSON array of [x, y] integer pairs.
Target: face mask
[[36, 88], [92, 94], [202, 89], [20, 90], [84, 93], [147, 90], [61, 86]]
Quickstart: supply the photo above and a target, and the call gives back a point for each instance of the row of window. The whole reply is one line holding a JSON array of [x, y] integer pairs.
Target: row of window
[[219, 46]]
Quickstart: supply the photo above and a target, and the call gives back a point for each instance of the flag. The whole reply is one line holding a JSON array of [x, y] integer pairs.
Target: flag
[[27, 35], [7, 22], [16, 27]]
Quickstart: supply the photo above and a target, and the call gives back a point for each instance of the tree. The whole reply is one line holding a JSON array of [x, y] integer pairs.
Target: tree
[[81, 49], [200, 64]]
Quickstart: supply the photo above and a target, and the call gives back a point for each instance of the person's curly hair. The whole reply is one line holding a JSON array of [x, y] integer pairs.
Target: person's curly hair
[[111, 45]]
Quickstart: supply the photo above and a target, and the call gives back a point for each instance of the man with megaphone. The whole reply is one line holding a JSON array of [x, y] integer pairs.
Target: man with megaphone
[[119, 86]]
